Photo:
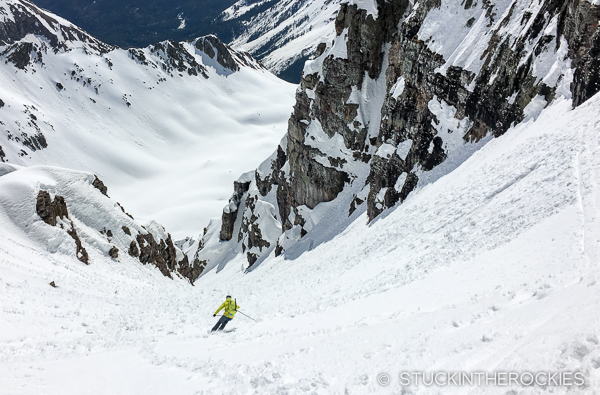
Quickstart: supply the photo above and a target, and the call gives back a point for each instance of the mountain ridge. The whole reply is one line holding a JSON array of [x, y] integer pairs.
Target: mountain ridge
[[280, 33], [397, 100]]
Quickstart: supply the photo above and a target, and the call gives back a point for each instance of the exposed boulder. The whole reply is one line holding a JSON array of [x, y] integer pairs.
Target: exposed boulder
[[114, 253], [50, 211], [133, 249], [99, 185]]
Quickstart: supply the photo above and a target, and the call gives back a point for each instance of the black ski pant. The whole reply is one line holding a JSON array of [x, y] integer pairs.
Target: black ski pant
[[221, 324]]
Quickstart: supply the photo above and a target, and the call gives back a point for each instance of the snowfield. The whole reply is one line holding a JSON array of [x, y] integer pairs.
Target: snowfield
[[493, 267], [145, 131]]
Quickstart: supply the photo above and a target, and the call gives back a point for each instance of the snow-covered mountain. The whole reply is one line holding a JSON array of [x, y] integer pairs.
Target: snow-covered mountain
[[168, 127], [492, 268], [282, 33], [403, 95], [433, 208]]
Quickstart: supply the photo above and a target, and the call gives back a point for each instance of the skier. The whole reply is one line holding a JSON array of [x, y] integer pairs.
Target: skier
[[231, 308]]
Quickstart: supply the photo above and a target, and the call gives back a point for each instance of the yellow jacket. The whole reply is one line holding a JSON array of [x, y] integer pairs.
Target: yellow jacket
[[230, 307]]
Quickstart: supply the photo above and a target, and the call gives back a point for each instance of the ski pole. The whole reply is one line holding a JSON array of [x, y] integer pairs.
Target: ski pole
[[247, 316]]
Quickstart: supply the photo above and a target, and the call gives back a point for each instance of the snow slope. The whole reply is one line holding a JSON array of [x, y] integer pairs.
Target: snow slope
[[284, 33], [167, 142], [493, 267]]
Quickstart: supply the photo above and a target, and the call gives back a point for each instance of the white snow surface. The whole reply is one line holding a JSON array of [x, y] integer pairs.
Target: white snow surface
[[369, 5], [493, 267], [288, 30], [446, 31], [173, 155]]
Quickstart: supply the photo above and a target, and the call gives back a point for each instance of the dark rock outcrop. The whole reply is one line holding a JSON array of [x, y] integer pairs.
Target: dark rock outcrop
[[50, 210], [114, 252], [21, 54], [578, 22], [230, 212], [177, 58], [35, 142], [133, 249], [162, 254], [210, 44], [226, 56], [99, 185]]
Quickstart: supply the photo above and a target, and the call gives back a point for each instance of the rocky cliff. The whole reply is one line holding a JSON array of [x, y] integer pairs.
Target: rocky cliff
[[404, 93]]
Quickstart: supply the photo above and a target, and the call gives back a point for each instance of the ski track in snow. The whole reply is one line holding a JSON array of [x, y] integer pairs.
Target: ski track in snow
[[491, 267]]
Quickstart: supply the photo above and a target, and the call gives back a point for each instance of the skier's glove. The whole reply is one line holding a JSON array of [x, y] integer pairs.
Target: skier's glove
[[214, 315]]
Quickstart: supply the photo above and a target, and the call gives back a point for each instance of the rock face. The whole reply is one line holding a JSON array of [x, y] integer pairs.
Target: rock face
[[51, 211], [400, 91], [99, 185], [230, 212], [150, 245]]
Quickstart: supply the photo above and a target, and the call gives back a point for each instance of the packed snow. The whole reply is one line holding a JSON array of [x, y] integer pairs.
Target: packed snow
[[492, 267]]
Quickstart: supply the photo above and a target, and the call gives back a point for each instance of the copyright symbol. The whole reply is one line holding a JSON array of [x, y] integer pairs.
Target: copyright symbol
[[383, 379]]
